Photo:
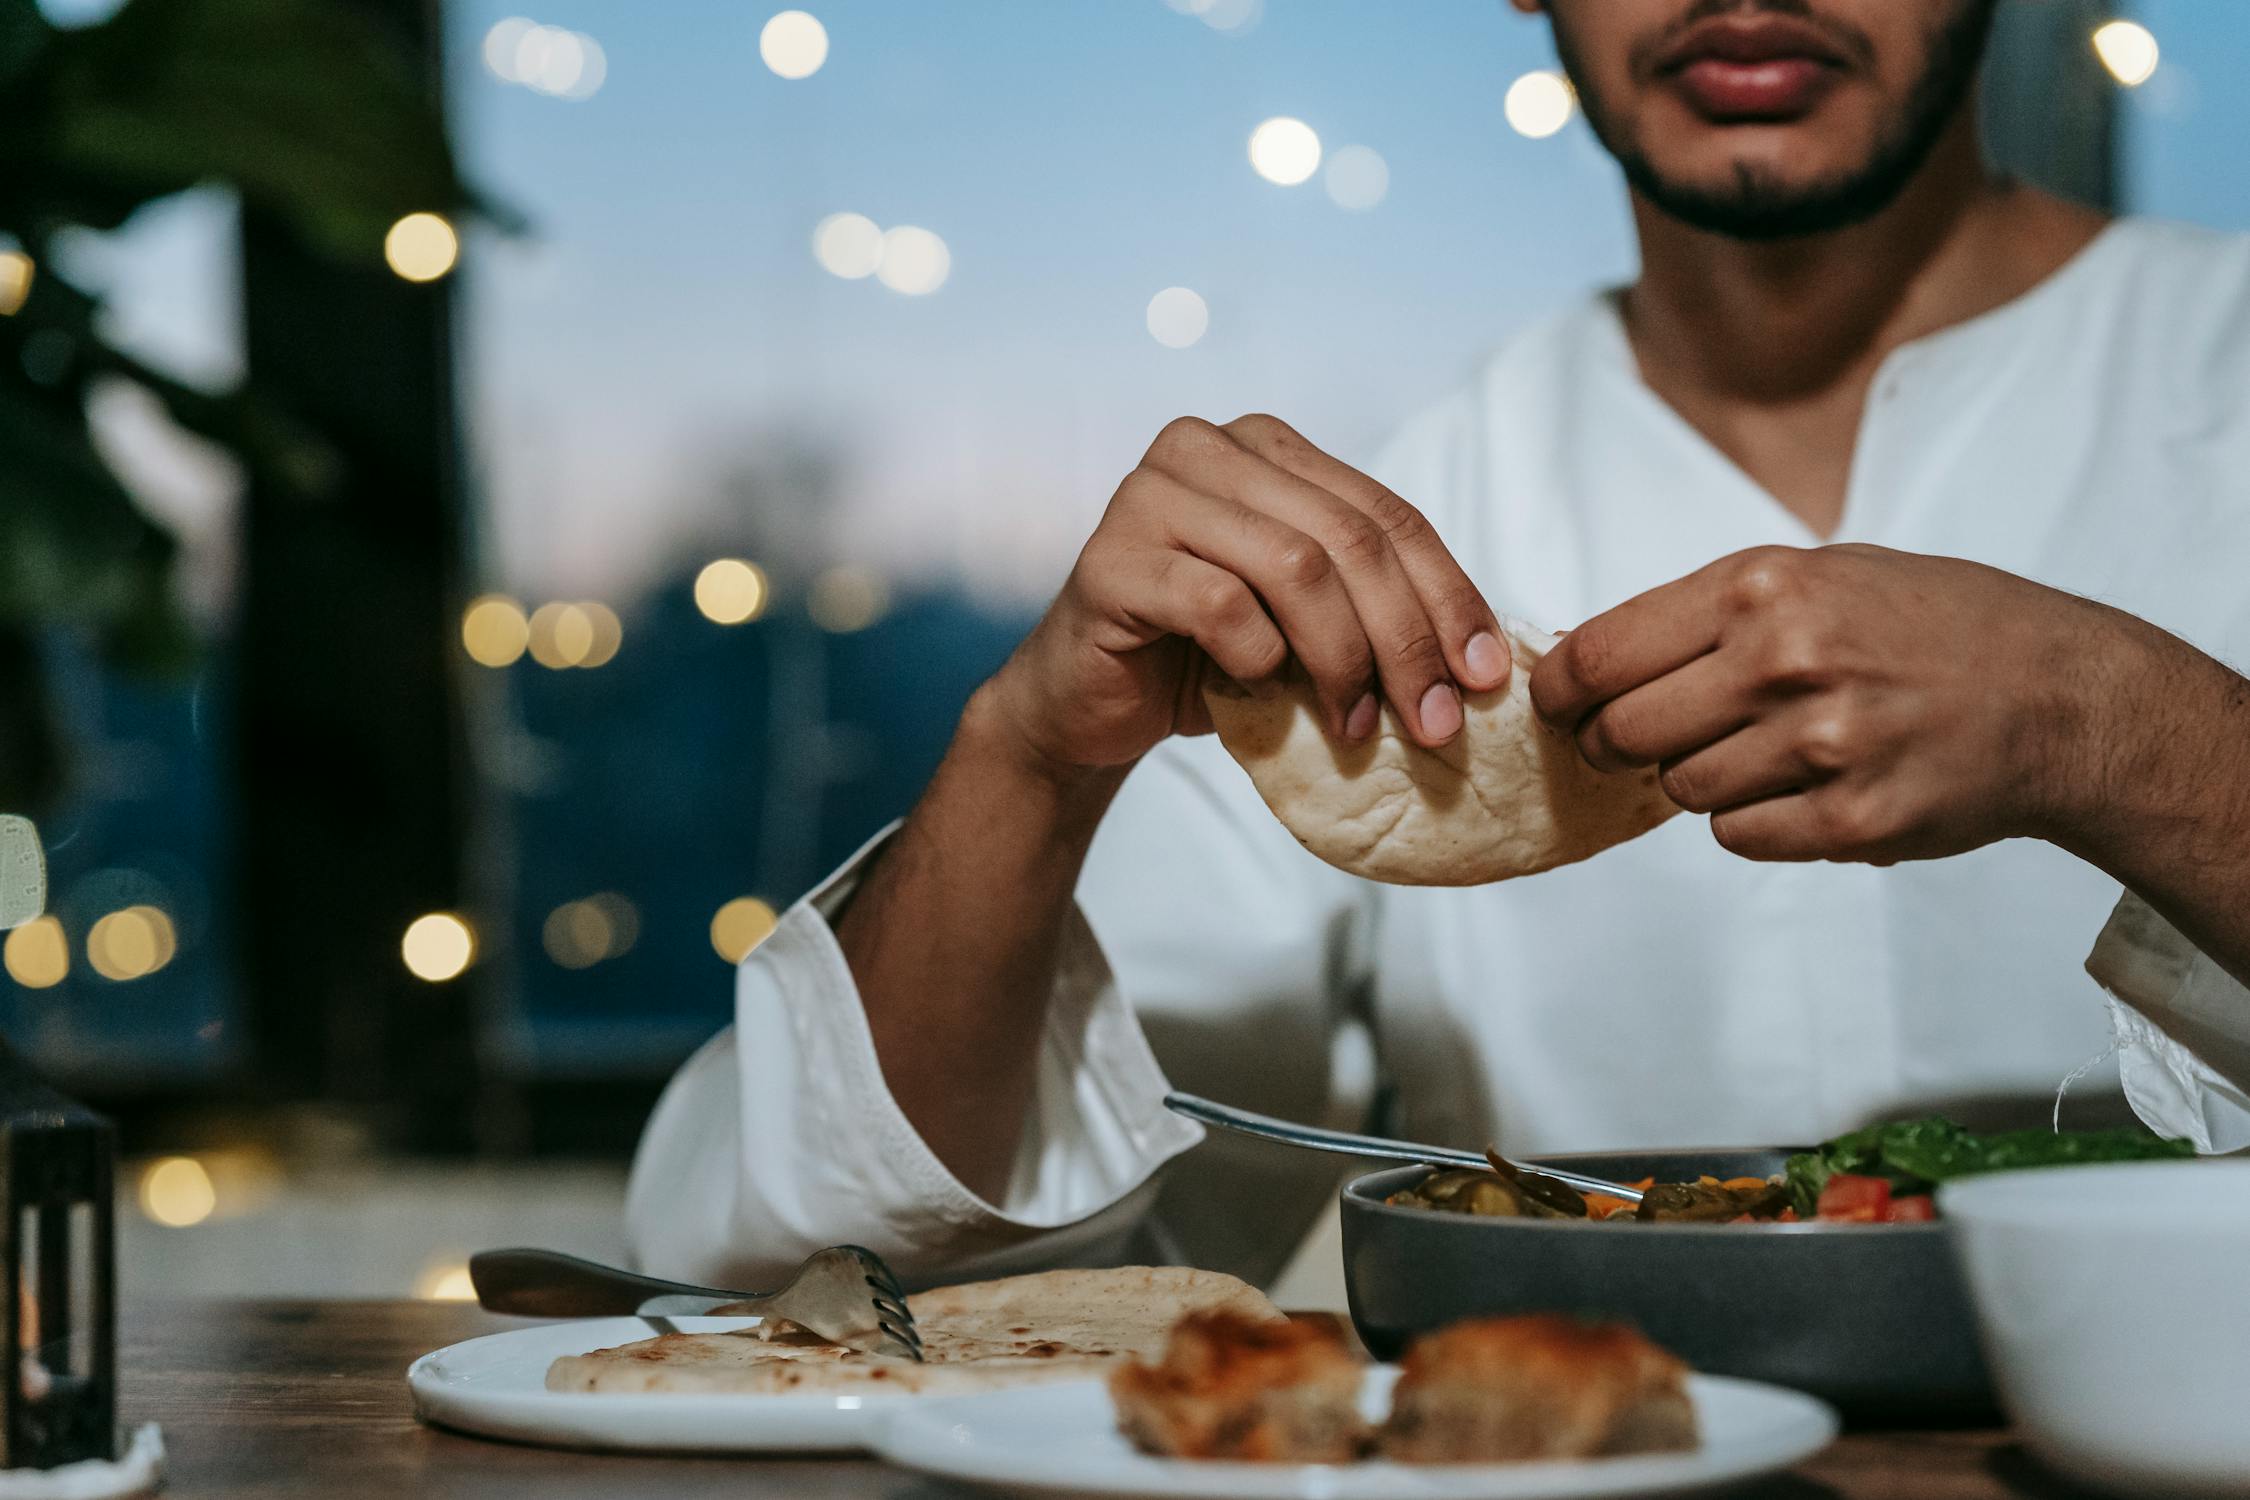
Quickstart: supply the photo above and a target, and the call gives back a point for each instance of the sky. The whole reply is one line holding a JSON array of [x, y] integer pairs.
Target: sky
[[645, 365], [1077, 159]]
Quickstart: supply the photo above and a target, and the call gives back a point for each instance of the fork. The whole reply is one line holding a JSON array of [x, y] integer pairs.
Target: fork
[[841, 1293], [1347, 1143]]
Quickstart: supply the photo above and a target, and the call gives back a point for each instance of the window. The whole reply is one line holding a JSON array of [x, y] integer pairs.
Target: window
[[906, 420]]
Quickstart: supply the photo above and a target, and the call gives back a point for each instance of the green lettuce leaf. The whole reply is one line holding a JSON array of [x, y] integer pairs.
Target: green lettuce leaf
[[1916, 1155]]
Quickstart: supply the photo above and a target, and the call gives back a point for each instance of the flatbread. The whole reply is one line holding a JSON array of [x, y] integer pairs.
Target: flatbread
[[1509, 796], [984, 1335]]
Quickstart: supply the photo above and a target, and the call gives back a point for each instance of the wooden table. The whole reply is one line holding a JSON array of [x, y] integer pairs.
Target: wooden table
[[309, 1398]]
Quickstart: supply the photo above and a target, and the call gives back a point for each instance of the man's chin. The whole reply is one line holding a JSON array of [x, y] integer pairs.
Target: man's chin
[[1752, 200]]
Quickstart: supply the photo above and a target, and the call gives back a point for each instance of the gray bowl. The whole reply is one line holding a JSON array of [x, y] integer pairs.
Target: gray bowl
[[1872, 1317]]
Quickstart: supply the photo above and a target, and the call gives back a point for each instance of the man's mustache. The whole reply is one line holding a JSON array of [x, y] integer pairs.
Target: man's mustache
[[1847, 38]]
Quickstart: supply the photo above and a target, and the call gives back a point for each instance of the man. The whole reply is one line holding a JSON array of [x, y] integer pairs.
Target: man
[[1846, 332]]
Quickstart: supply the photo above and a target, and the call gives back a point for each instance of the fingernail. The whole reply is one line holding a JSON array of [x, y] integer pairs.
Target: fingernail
[[1360, 722], [1487, 658], [1441, 712]]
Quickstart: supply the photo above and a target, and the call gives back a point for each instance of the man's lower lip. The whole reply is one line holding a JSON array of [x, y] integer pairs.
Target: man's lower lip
[[1777, 89]]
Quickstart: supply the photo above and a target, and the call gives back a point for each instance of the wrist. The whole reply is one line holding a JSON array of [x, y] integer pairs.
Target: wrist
[[997, 739], [2131, 743]]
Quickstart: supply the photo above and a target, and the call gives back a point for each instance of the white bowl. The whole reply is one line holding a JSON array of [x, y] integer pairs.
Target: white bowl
[[2114, 1306]]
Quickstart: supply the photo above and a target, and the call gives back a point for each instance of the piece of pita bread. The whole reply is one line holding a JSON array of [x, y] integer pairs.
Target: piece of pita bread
[[984, 1335], [1509, 796]]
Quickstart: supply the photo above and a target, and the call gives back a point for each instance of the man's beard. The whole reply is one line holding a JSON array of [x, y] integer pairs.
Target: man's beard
[[1757, 205]]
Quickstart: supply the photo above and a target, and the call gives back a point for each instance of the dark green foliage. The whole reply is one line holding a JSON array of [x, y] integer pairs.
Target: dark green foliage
[[307, 111], [1916, 1155]]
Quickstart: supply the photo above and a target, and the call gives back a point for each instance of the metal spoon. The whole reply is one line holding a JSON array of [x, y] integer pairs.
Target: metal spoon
[[1345, 1143]]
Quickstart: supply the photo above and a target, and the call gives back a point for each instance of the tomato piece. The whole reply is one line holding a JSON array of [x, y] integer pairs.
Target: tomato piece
[[1864, 1200], [1914, 1208]]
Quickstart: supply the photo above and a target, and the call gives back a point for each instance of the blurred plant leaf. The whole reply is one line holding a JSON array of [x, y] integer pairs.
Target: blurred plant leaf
[[74, 550], [304, 106], [23, 37], [264, 438]]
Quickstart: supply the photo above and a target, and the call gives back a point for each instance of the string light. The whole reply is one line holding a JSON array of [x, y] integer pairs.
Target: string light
[[550, 60], [907, 259], [738, 927], [37, 954], [731, 591], [1284, 151], [1539, 103], [16, 272], [177, 1192], [438, 946], [2128, 49], [500, 44], [845, 599], [915, 261], [421, 247], [560, 635], [608, 634], [580, 934], [131, 944], [793, 44], [1358, 178], [1231, 15], [494, 631], [1177, 317], [848, 245]]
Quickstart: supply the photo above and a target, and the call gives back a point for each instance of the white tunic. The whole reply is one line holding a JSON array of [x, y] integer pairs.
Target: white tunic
[[2093, 435]]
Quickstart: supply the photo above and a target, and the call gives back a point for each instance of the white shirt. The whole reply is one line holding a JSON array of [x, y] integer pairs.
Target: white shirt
[[2093, 434]]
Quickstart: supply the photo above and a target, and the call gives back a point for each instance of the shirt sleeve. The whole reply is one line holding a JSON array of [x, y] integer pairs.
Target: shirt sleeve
[[2182, 1027], [780, 1136]]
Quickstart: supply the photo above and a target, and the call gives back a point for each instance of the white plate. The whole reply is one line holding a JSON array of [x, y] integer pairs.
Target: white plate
[[1063, 1440], [496, 1386]]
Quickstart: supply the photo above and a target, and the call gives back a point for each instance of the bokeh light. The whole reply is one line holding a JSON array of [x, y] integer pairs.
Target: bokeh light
[[551, 60], [580, 934], [1539, 103], [1358, 178], [1284, 151], [438, 946], [847, 598], [915, 261], [445, 1279], [177, 1192], [848, 245], [421, 247], [794, 44], [1229, 15], [131, 944], [609, 633], [500, 44], [16, 272], [494, 631], [560, 635], [2128, 49], [740, 926], [1177, 317], [731, 591], [37, 954]]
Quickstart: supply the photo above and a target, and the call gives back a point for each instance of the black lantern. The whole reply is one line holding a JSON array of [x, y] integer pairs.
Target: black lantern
[[57, 1161]]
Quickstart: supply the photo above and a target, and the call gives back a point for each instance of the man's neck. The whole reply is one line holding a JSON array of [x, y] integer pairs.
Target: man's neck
[[1768, 348]]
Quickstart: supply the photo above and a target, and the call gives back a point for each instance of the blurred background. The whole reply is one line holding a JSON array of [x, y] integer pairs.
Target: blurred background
[[494, 504]]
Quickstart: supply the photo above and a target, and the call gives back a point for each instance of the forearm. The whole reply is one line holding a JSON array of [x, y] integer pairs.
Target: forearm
[[2163, 788], [953, 939]]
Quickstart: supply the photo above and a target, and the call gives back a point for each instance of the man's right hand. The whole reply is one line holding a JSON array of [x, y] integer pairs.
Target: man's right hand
[[1241, 547]]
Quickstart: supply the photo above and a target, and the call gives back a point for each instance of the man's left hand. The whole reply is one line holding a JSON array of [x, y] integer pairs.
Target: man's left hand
[[1850, 702]]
